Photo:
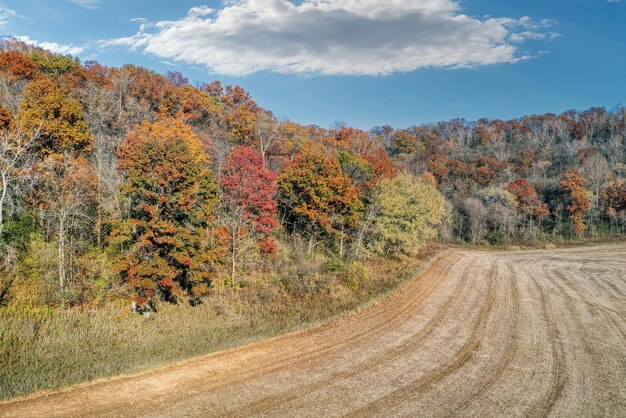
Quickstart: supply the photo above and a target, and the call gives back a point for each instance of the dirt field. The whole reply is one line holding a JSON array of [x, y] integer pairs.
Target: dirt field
[[528, 333]]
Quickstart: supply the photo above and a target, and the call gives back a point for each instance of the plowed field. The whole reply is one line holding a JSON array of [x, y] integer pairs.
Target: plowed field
[[527, 333]]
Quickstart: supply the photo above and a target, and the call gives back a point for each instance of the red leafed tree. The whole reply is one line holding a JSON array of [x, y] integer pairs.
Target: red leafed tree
[[252, 187], [528, 200], [574, 186], [249, 191]]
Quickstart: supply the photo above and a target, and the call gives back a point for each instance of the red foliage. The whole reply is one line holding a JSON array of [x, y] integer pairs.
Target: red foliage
[[251, 187], [528, 200]]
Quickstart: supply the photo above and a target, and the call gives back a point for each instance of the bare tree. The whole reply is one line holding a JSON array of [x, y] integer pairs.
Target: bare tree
[[620, 169], [15, 157], [11, 92], [241, 244], [476, 218], [268, 130], [540, 171], [598, 171], [66, 189]]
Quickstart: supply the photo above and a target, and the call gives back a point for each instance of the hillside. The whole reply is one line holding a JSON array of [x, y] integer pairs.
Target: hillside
[[121, 187], [102, 168]]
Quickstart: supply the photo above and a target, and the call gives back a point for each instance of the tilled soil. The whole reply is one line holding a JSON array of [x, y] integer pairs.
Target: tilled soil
[[526, 333]]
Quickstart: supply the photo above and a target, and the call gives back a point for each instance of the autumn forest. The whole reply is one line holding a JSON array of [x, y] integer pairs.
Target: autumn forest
[[123, 183]]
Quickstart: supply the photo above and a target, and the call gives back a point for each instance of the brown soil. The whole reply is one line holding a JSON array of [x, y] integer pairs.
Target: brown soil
[[530, 333]]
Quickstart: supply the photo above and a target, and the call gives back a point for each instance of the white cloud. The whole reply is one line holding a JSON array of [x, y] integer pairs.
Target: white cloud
[[200, 11], [53, 46], [526, 28], [138, 20], [7, 14], [334, 37], [89, 4]]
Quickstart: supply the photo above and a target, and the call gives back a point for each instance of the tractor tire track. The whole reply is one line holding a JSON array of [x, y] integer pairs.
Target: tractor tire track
[[461, 357], [369, 363], [524, 333]]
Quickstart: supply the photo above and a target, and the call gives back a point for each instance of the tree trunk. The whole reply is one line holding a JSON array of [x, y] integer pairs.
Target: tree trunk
[[359, 242], [61, 245], [99, 203], [3, 196], [233, 257], [262, 153], [341, 245]]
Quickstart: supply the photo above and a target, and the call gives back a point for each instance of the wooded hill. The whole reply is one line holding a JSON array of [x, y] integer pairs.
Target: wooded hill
[[120, 182]]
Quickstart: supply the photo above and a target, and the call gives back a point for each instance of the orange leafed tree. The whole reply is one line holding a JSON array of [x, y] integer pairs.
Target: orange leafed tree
[[165, 251], [241, 114], [574, 186], [18, 66], [63, 179], [6, 119], [47, 109], [317, 197]]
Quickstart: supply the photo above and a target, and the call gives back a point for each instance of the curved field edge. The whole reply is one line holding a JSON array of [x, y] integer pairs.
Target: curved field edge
[[43, 350], [523, 333]]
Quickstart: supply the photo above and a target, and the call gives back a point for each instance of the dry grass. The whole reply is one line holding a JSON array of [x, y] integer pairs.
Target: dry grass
[[43, 348]]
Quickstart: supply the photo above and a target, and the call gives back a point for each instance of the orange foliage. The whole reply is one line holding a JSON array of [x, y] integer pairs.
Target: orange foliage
[[47, 109], [18, 66], [574, 185], [167, 237]]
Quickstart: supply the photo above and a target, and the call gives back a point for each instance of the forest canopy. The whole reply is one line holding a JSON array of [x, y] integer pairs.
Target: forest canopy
[[125, 183]]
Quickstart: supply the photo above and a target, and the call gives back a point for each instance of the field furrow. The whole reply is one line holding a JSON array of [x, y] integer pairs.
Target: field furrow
[[525, 333]]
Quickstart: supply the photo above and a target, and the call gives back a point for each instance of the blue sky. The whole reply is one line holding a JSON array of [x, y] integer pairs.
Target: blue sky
[[365, 62]]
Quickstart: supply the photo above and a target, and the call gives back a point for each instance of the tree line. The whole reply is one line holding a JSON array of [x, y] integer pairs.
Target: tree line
[[538, 177], [121, 182]]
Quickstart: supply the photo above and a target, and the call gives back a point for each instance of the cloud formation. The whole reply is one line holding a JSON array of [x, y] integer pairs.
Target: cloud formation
[[53, 46], [335, 37], [5, 15], [89, 4]]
